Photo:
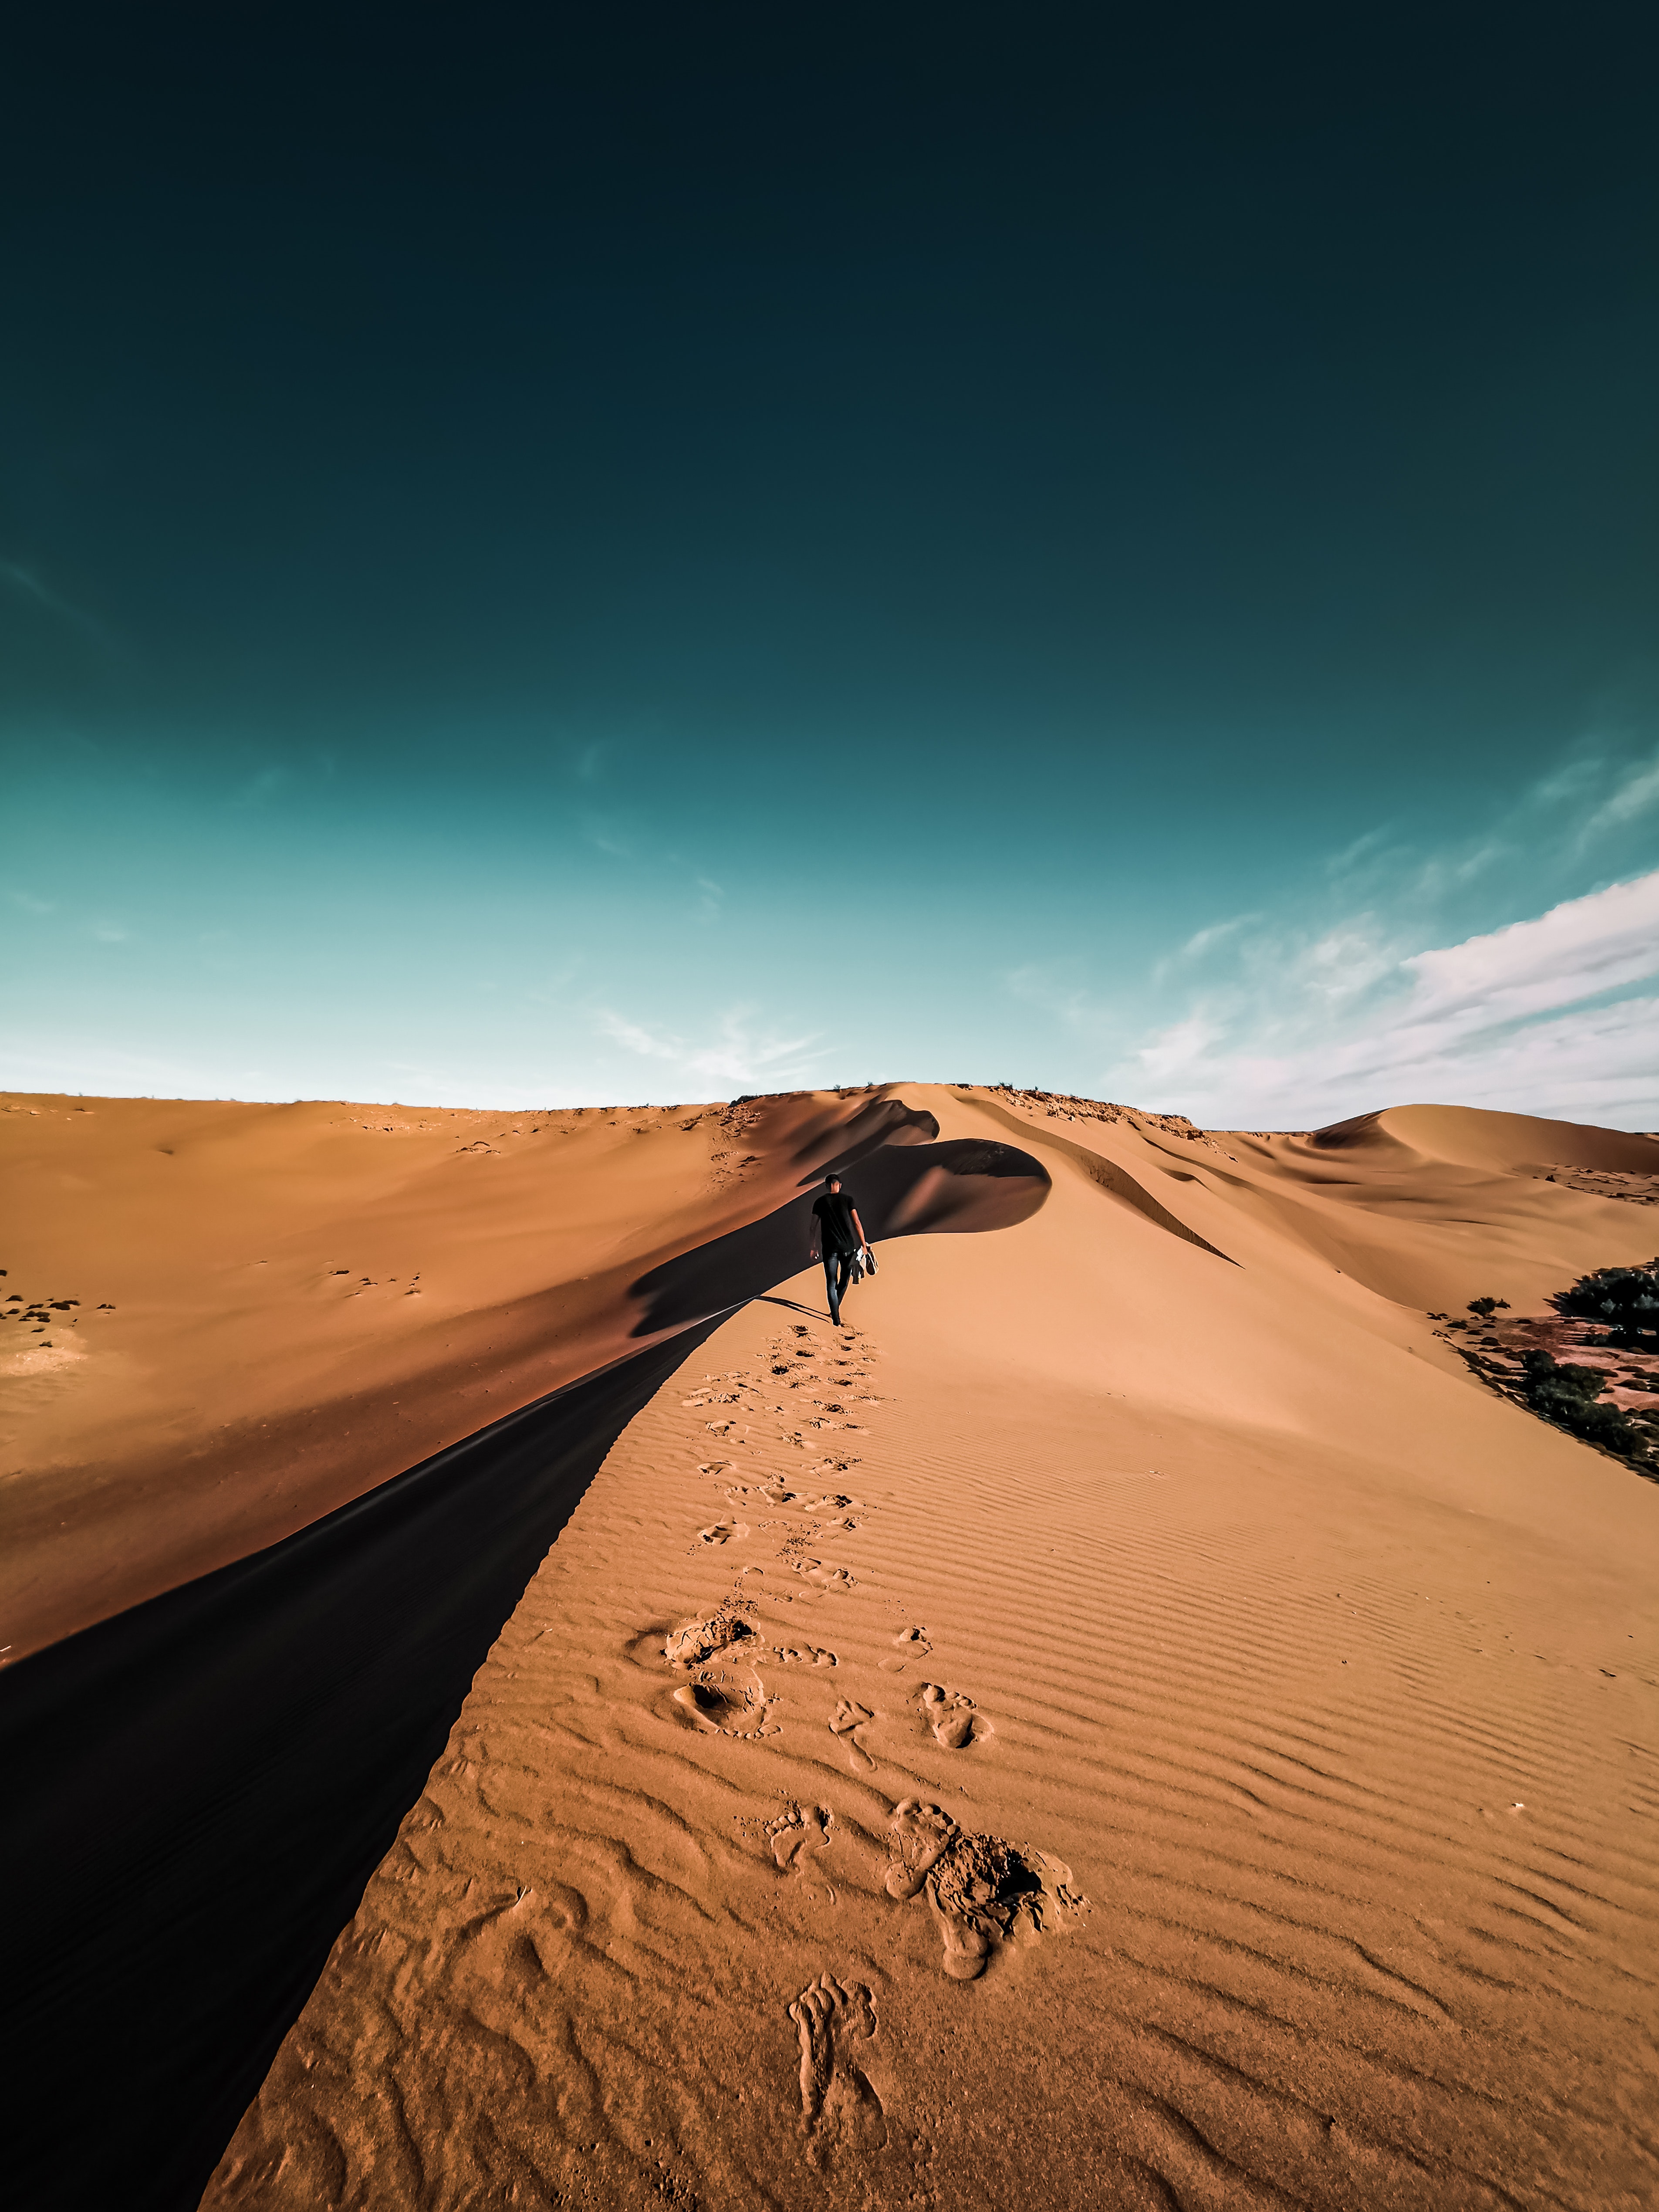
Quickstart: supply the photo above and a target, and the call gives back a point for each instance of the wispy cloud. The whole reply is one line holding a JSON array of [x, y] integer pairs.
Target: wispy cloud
[[1636, 793], [1537, 1017], [1205, 941], [734, 1054]]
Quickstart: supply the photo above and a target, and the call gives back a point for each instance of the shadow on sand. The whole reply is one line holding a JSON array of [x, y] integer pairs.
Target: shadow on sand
[[965, 1185], [200, 1788]]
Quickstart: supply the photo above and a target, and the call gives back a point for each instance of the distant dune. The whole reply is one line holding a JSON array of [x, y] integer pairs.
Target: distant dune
[[1135, 1721]]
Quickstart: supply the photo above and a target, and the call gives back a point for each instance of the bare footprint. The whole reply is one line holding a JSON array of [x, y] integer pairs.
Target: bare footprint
[[845, 1721], [919, 1838], [955, 1720], [829, 1578], [798, 1835], [722, 1532], [805, 1655], [913, 1645], [838, 2105]]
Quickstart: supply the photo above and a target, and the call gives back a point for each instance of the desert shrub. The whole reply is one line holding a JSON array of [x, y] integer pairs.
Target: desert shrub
[[1567, 1396], [1624, 1300], [1488, 1307]]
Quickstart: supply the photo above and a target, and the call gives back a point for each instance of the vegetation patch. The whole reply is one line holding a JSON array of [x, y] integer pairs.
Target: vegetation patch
[[1615, 1310], [1572, 1398], [1624, 1300]]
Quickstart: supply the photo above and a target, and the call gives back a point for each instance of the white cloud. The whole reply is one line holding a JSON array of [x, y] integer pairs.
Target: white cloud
[[1205, 941], [1348, 1026], [732, 1056], [1637, 791], [1577, 951]]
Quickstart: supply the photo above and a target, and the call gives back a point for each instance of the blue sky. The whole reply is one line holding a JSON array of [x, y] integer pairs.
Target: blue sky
[[552, 567]]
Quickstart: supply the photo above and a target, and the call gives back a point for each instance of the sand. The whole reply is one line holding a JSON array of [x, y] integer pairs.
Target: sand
[[1135, 1721]]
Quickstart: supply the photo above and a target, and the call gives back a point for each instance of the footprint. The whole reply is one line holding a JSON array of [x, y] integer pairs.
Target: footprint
[[708, 1702], [806, 1655], [829, 1578], [913, 1642], [799, 1834], [954, 1719], [982, 1890], [722, 1532], [845, 1721], [919, 1838], [838, 2105], [700, 1639], [727, 1710]]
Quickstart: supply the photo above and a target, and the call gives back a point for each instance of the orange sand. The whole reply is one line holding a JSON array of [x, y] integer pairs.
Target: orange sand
[[1169, 1735]]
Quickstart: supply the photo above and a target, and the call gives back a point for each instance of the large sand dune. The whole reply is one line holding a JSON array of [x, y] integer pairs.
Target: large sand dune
[[1136, 1723]]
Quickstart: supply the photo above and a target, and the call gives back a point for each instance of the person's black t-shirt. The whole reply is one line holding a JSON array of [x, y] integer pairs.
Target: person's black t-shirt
[[835, 1213]]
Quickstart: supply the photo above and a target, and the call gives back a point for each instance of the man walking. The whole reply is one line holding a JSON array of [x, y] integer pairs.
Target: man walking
[[837, 1233]]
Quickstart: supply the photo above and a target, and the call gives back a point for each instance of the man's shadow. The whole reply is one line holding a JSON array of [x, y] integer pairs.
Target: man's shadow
[[961, 1188]]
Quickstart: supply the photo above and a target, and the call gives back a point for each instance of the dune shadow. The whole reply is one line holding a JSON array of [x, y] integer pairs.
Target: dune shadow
[[967, 1186], [202, 1786], [883, 1122]]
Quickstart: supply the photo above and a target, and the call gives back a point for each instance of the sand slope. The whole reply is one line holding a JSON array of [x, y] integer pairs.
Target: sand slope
[[257, 1313], [234, 1751], [1167, 1736]]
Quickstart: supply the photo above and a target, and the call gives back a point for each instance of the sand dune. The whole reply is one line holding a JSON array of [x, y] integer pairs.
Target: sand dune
[[1135, 1722]]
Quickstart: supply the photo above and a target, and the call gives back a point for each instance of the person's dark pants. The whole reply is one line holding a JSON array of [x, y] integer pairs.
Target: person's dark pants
[[837, 1274]]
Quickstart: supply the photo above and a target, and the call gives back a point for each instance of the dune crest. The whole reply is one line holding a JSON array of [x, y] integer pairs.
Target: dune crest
[[1472, 1136]]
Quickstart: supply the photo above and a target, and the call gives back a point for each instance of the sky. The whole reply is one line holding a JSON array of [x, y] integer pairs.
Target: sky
[[555, 557]]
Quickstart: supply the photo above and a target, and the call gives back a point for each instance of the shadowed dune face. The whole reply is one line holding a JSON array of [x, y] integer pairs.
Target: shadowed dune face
[[883, 1122], [955, 1188], [238, 1754]]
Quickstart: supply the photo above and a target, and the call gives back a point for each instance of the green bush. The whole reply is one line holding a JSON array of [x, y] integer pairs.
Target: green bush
[[1567, 1396], [1624, 1300]]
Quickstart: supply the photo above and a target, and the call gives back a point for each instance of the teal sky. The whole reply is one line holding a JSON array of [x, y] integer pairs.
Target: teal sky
[[672, 555]]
